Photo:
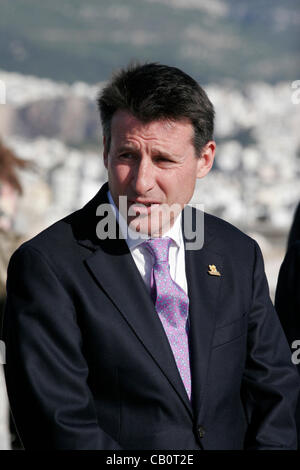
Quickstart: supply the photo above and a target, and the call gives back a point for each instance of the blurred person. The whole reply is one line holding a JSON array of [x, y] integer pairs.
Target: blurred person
[[10, 186], [141, 337], [287, 297], [10, 190]]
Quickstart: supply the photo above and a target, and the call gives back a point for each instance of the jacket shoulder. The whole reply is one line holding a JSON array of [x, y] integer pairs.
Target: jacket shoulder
[[56, 235], [224, 232], [54, 244]]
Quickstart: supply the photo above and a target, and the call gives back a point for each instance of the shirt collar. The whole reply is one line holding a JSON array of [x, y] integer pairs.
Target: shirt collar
[[175, 232]]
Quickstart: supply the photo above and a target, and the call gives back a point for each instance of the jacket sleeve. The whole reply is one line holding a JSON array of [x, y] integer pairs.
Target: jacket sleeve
[[271, 383], [46, 372]]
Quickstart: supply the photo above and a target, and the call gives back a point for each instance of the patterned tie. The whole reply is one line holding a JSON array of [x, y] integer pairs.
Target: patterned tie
[[172, 305]]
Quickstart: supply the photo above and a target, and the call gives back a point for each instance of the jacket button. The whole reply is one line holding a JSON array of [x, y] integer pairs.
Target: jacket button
[[200, 431]]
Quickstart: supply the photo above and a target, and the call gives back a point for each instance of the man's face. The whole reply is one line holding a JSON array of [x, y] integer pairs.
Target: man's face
[[153, 164]]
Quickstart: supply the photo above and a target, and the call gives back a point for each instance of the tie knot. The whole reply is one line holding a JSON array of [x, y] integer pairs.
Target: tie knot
[[159, 247]]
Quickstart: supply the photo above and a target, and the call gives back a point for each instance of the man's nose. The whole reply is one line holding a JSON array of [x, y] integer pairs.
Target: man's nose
[[144, 176]]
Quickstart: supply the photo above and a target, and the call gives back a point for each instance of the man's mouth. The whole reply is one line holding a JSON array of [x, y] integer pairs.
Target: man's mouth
[[144, 202], [142, 207]]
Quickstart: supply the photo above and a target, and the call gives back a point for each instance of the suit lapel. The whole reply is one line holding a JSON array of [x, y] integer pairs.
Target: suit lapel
[[203, 291]]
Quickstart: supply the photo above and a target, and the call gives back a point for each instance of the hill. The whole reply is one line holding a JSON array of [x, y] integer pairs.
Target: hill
[[72, 40]]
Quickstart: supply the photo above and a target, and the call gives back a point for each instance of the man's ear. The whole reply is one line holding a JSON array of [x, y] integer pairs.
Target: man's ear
[[105, 153], [206, 159]]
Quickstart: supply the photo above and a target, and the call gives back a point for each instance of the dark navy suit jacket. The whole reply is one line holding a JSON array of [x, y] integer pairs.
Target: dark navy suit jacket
[[89, 365]]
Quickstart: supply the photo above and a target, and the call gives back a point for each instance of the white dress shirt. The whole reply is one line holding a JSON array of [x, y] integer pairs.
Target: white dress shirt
[[144, 259]]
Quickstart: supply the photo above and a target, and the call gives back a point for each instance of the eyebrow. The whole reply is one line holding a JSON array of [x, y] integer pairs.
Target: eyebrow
[[132, 148], [125, 148]]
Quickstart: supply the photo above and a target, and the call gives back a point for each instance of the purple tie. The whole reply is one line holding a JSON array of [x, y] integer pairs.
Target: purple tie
[[172, 306]]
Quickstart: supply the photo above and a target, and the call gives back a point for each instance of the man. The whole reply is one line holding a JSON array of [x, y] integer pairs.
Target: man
[[144, 338]]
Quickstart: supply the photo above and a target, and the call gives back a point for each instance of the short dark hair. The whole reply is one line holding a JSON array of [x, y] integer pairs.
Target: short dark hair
[[154, 91]]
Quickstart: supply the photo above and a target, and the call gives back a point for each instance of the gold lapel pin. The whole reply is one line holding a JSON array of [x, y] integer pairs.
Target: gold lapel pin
[[213, 270]]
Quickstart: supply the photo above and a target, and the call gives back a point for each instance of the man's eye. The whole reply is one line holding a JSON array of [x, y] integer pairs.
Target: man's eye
[[126, 155], [164, 160]]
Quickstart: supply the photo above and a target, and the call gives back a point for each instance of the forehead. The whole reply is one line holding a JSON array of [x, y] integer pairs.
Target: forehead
[[126, 127]]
